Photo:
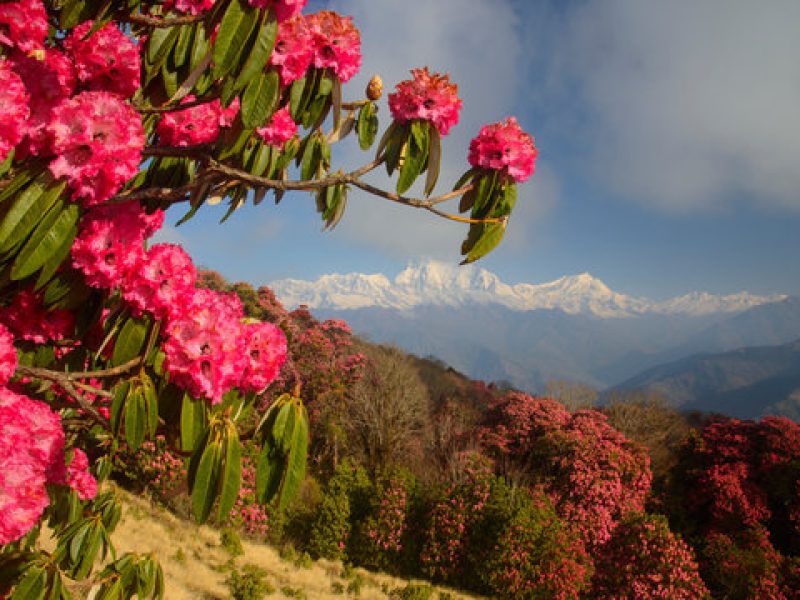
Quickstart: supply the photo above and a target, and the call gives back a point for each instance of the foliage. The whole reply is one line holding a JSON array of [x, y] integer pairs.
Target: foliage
[[248, 584]]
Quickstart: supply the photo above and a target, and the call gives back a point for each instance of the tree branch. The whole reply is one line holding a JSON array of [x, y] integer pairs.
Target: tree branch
[[151, 21]]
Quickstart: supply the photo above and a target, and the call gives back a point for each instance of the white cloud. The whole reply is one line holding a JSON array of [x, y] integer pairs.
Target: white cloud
[[688, 104], [480, 44]]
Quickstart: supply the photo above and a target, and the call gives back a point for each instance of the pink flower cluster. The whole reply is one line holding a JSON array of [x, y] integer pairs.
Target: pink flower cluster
[[284, 9], [27, 319], [280, 129], [8, 355], [23, 25], [325, 40], [644, 559], [593, 474], [386, 528], [193, 7], [428, 97], [196, 125], [72, 104], [247, 514], [504, 147], [32, 447]]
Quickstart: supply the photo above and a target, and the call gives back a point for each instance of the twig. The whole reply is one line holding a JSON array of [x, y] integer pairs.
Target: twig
[[151, 21], [64, 381]]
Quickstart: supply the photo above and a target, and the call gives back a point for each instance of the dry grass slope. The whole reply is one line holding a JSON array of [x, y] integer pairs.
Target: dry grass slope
[[194, 562]]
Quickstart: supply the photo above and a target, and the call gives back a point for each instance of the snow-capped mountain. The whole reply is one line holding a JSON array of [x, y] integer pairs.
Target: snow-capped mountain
[[438, 284]]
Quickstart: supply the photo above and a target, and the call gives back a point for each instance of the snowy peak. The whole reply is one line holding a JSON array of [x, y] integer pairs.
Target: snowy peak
[[442, 284]]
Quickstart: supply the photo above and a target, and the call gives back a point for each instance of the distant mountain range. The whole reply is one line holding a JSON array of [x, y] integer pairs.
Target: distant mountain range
[[574, 328], [439, 284]]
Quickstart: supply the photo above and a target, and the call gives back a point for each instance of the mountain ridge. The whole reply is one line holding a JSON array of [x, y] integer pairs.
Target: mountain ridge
[[440, 284]]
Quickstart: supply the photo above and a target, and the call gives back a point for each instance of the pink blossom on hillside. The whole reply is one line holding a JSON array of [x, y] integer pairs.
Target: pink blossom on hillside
[[98, 140], [280, 129], [107, 61], [265, 348], [163, 282], [110, 242], [337, 43], [47, 82], [504, 147], [8, 355], [204, 348], [27, 319], [293, 50], [23, 25], [14, 109], [428, 97]]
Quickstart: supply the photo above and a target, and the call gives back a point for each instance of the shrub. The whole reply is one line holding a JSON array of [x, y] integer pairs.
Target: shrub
[[249, 584]]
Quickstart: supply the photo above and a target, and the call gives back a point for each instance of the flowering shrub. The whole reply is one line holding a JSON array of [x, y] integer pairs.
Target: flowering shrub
[[427, 97], [111, 113], [593, 475], [504, 147], [644, 559]]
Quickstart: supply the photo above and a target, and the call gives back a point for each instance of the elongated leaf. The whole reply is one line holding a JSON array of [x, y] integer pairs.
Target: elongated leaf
[[260, 99], [367, 126], [48, 238], [205, 482], [182, 52], [490, 236], [234, 30], [414, 160], [260, 51], [231, 478], [26, 212], [89, 549], [434, 160], [296, 463], [268, 473], [130, 342], [310, 160], [296, 98], [51, 266], [159, 44], [135, 415], [6, 164], [20, 180], [118, 399], [32, 585], [279, 425], [151, 405], [193, 422]]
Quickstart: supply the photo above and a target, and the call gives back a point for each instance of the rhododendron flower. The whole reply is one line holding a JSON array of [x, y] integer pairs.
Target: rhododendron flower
[[48, 82], [281, 128], [193, 7], [31, 444], [196, 125], [337, 43], [293, 50], [265, 348], [504, 146], [8, 355], [111, 242], [76, 475], [163, 282], [284, 9], [429, 97], [99, 140], [13, 109], [204, 348], [27, 319], [23, 25], [106, 61]]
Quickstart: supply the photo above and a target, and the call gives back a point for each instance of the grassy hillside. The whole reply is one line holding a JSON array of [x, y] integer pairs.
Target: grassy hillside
[[196, 564]]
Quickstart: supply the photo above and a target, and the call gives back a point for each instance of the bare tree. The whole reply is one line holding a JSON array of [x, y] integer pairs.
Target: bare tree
[[572, 395], [386, 409]]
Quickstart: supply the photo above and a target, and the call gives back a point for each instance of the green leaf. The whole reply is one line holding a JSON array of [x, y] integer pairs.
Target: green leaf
[[135, 415], [260, 99], [200, 45], [205, 480], [367, 127], [26, 212], [89, 549], [130, 341], [296, 463], [281, 417], [462, 181], [434, 160], [490, 235], [268, 473], [261, 49], [32, 586], [53, 264], [48, 238], [310, 159], [159, 44], [234, 31], [415, 158], [296, 97], [182, 52], [193, 422], [150, 404], [118, 398], [20, 180], [6, 164], [231, 471]]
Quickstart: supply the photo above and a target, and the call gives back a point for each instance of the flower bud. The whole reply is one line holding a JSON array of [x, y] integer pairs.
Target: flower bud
[[375, 88]]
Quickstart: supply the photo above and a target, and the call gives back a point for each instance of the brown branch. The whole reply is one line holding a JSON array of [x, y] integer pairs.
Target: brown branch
[[151, 21], [196, 152], [171, 107], [103, 373], [66, 383]]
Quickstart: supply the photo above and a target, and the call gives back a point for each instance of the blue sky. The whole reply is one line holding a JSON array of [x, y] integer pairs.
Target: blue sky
[[668, 132]]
